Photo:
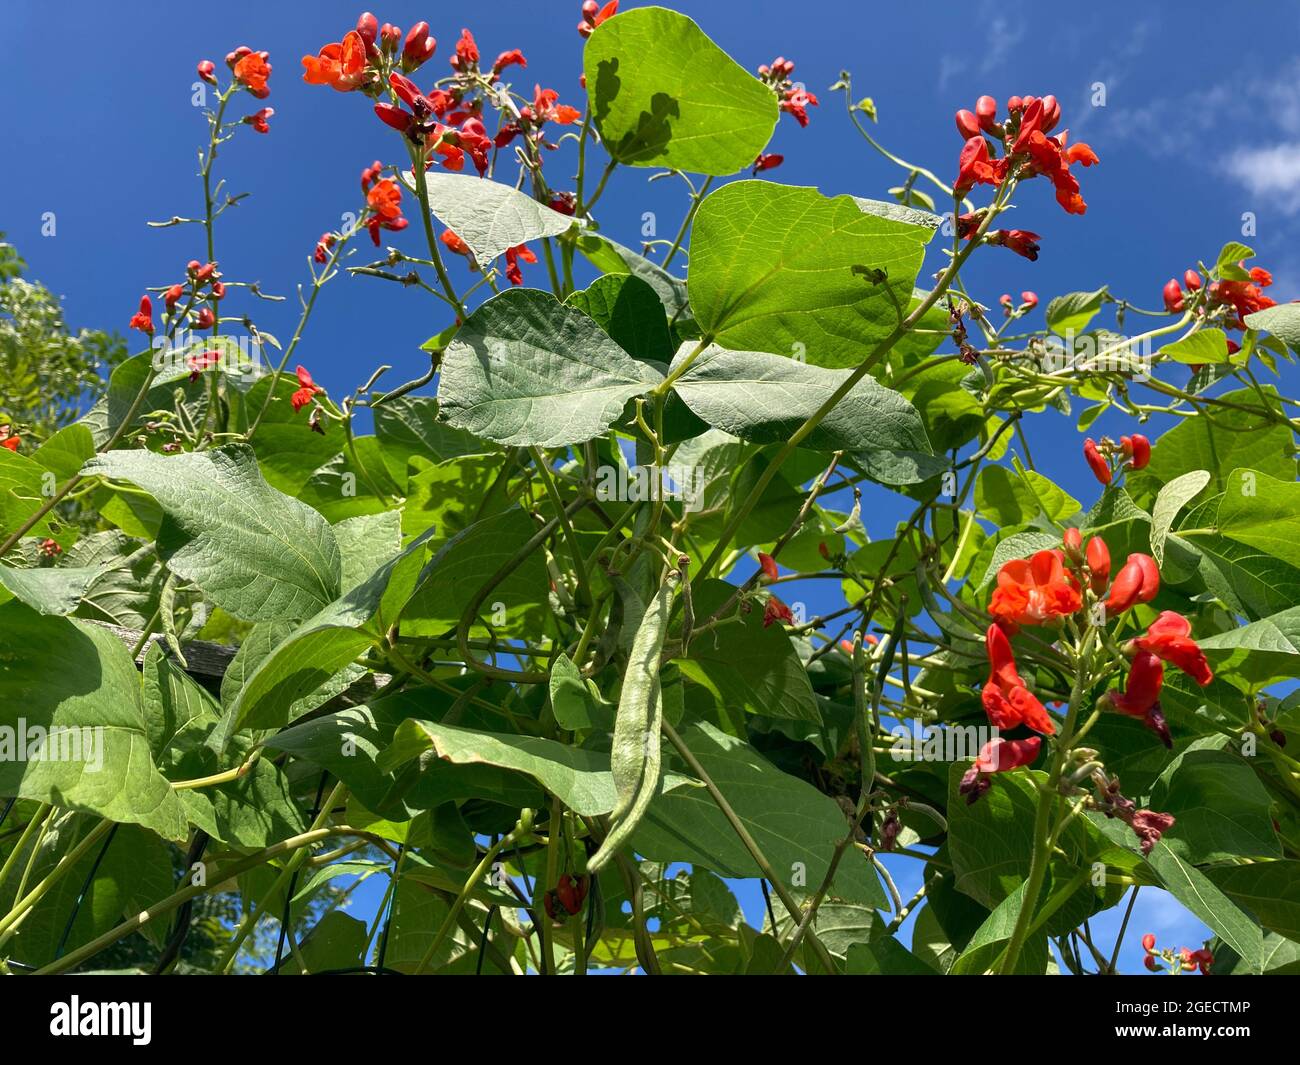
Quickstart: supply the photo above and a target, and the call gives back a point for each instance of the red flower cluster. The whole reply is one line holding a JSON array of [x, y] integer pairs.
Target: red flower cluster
[[1242, 296], [8, 438], [201, 362], [1181, 960], [1132, 452], [792, 97], [250, 69], [545, 108], [322, 251], [1027, 152], [775, 610], [996, 756], [593, 15], [383, 202], [514, 256], [306, 392]]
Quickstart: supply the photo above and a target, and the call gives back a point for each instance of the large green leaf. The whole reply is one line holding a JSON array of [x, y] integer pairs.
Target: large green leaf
[[790, 271], [765, 398], [488, 216], [408, 426], [71, 675], [255, 552], [795, 826], [1269, 890], [1223, 811], [49, 590], [1259, 653], [316, 651], [610, 257], [1172, 498], [1198, 893], [526, 370], [580, 778], [663, 94], [1262, 512], [628, 309], [745, 667], [1283, 321]]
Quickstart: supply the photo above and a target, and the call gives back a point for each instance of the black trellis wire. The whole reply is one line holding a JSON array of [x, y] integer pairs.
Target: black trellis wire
[[85, 887], [8, 806], [181, 928]]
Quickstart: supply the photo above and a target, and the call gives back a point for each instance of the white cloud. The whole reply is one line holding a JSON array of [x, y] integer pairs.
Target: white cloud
[[1272, 173]]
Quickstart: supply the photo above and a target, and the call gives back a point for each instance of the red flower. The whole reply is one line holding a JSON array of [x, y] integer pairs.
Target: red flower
[[1006, 700], [514, 57], [1138, 582], [368, 27], [1173, 296], [1029, 299], [775, 610], [307, 390], [1141, 695], [1020, 241], [997, 756], [768, 565], [545, 109], [767, 161], [1096, 461], [204, 318], [454, 242], [1034, 590], [521, 252], [1138, 449], [1260, 276], [384, 198], [172, 295], [253, 70], [341, 66], [975, 166], [466, 52], [323, 246], [203, 361], [418, 48], [1149, 826], [8, 439], [593, 15], [1169, 638], [1192, 280], [967, 124], [207, 70], [1244, 298], [143, 318], [796, 102], [1097, 555], [50, 548], [258, 119]]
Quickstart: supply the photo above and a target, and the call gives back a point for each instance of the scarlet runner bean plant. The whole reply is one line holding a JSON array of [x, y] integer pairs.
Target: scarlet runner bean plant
[[511, 635]]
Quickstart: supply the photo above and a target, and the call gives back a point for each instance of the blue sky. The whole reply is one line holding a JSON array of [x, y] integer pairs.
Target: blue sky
[[98, 127]]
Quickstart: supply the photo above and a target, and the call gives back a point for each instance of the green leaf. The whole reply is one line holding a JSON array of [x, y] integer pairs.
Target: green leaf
[[1259, 653], [59, 673], [318, 649], [489, 216], [255, 552], [409, 426], [991, 939], [463, 565], [1072, 312], [1233, 441], [527, 370], [1228, 263], [662, 94], [1171, 499], [173, 703], [610, 257], [1269, 890], [580, 778], [1017, 545], [1283, 321], [780, 269], [64, 453], [745, 667], [628, 309], [574, 701], [1222, 809], [765, 398], [795, 826], [49, 590], [1017, 497], [1198, 893], [885, 957], [1204, 347], [1262, 512]]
